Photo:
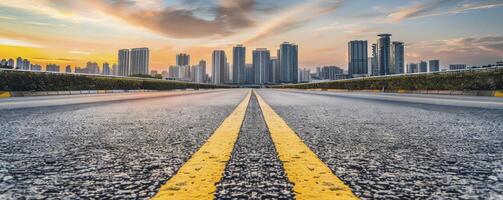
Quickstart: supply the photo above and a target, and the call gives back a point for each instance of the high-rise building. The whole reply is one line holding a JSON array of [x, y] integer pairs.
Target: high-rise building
[[457, 66], [115, 69], [182, 59], [26, 64], [68, 69], [261, 62], [238, 64], [19, 63], [173, 72], [184, 73], [304, 75], [36, 67], [434, 65], [10, 63], [274, 72], [124, 69], [288, 61], [397, 58], [423, 66], [200, 72], [374, 66], [140, 61], [330, 72], [384, 53], [412, 68], [219, 62], [358, 57], [106, 69], [52, 68], [250, 78], [92, 68]]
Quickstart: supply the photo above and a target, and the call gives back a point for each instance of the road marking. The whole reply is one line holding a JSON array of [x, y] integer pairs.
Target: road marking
[[312, 179], [5, 94], [198, 177]]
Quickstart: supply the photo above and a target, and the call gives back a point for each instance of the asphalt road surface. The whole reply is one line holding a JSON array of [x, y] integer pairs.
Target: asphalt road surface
[[125, 146], [121, 146], [388, 146]]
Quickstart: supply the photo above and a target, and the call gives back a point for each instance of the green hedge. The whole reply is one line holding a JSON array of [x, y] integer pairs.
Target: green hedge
[[487, 79], [36, 81]]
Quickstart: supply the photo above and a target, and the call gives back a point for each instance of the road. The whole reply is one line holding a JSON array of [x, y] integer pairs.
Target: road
[[126, 146]]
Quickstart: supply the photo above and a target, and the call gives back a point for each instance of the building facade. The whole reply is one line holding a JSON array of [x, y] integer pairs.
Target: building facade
[[238, 64], [288, 61], [423, 66], [182, 59], [397, 64], [358, 57], [412, 68], [123, 62], [261, 65], [275, 70], [330, 72], [140, 61], [219, 62], [384, 53], [374, 67], [457, 66], [434, 65], [105, 70]]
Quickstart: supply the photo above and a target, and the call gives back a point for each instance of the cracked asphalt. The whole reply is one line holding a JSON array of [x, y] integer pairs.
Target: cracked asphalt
[[402, 146], [254, 170]]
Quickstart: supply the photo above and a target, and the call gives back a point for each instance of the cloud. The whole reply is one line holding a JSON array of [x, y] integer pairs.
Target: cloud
[[79, 52], [438, 7], [18, 43], [294, 18]]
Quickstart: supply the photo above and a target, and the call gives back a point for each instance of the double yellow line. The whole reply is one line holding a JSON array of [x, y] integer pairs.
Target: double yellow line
[[198, 177]]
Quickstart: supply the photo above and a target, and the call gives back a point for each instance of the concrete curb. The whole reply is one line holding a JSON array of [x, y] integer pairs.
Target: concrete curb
[[54, 93], [489, 93]]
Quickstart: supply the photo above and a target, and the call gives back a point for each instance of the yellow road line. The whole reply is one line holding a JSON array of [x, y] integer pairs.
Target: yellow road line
[[312, 179], [197, 178], [4, 94]]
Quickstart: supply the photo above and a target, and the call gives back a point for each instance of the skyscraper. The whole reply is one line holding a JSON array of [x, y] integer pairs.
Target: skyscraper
[[412, 68], [68, 69], [397, 58], [274, 72], [92, 68], [238, 64], [288, 61], [200, 72], [374, 67], [182, 59], [330, 72], [261, 62], [219, 62], [123, 62], [140, 61], [52, 68], [19, 63], [434, 65], [358, 57], [173, 72], [106, 69], [384, 53], [250, 78], [423, 66]]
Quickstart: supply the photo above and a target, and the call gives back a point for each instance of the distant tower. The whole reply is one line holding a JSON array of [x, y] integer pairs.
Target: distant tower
[[374, 67], [274, 72], [123, 62], [139, 61], [434, 65], [219, 63], [423, 66], [261, 63], [358, 57], [397, 58], [288, 61], [238, 64], [182, 59], [384, 53]]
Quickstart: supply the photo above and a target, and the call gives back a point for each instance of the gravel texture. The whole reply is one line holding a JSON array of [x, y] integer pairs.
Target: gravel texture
[[400, 150], [254, 171], [108, 150]]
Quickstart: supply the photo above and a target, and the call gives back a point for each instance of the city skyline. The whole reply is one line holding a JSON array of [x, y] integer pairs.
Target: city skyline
[[61, 32]]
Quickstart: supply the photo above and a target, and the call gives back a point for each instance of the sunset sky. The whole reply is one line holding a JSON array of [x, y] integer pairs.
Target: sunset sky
[[76, 31]]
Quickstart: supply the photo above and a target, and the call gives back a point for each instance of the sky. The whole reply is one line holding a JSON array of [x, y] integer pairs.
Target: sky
[[77, 31]]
